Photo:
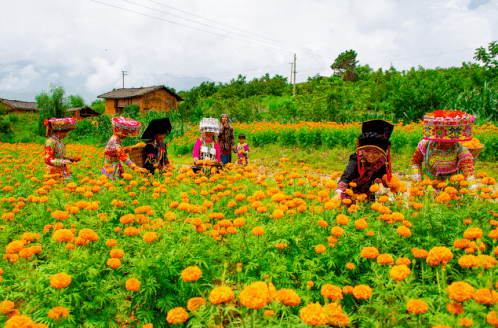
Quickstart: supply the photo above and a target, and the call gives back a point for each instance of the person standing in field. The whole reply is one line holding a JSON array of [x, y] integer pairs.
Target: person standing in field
[[242, 149], [206, 148], [441, 152], [371, 163], [55, 151], [226, 139], [156, 151], [114, 154]]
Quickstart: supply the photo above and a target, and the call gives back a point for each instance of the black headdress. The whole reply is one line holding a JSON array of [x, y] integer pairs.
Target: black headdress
[[375, 134], [161, 126]]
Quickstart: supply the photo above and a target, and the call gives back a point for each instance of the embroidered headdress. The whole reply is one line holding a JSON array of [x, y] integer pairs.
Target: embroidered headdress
[[126, 127], [209, 124], [59, 124], [161, 126], [448, 126], [375, 134]]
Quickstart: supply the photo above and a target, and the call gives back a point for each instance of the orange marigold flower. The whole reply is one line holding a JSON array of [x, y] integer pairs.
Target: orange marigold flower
[[58, 312], [385, 259], [314, 314], [149, 237], [111, 243], [438, 255], [348, 290], [350, 266], [461, 243], [255, 296], [404, 231], [473, 233], [60, 215], [221, 294], [113, 263], [132, 285], [323, 223], [14, 246], [419, 253], [417, 306], [455, 308], [269, 313], [7, 307], [258, 231], [195, 303], [361, 224], [400, 272], [403, 260], [460, 291], [60, 280], [331, 292], [117, 253], [485, 296], [369, 252], [467, 261], [319, 249], [192, 273], [288, 296], [63, 235], [492, 318], [19, 321], [342, 219], [337, 231], [362, 292], [177, 315]]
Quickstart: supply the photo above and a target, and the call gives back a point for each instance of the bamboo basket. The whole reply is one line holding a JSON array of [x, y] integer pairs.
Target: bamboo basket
[[475, 151], [137, 154]]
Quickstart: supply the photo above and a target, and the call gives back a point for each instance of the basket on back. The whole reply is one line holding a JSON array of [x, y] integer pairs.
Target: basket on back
[[475, 151], [137, 154]]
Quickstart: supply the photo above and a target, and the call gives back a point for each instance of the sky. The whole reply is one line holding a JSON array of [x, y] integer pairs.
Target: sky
[[84, 45]]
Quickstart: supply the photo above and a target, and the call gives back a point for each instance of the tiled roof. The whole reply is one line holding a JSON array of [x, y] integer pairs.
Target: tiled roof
[[85, 109], [135, 92], [17, 104]]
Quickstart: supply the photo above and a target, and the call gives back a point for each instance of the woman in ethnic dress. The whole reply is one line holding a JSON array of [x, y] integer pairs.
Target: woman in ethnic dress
[[440, 152], [155, 151], [115, 154], [206, 147], [226, 140], [55, 151], [371, 163]]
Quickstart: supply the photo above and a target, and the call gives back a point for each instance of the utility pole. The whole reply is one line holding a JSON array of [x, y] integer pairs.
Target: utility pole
[[294, 92], [290, 81], [124, 73]]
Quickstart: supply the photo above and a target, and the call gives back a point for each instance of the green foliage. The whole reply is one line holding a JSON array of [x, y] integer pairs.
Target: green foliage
[[51, 104], [488, 57], [76, 101], [98, 106], [345, 66]]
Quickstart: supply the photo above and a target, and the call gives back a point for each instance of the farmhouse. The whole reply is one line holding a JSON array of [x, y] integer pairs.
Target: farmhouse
[[79, 113], [19, 107], [158, 98]]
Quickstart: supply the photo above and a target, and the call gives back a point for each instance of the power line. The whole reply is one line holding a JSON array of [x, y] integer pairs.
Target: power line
[[214, 73], [195, 28]]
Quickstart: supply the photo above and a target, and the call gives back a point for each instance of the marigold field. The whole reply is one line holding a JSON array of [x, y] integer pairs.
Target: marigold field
[[246, 247]]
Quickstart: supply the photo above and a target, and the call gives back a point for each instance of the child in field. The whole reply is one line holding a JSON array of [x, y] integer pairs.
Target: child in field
[[242, 149], [114, 154], [441, 151], [370, 163], [55, 150], [206, 147]]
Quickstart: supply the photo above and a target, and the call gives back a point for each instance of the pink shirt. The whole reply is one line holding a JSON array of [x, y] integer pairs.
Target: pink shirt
[[197, 148]]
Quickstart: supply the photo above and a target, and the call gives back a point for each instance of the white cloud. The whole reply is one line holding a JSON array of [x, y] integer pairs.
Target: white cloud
[[19, 79]]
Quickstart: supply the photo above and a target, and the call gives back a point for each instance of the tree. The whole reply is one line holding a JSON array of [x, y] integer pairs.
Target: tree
[[345, 65], [488, 57], [98, 106], [76, 101], [51, 104]]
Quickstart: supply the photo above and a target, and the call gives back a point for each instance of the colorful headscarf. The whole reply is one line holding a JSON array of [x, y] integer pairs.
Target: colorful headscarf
[[59, 124], [126, 127]]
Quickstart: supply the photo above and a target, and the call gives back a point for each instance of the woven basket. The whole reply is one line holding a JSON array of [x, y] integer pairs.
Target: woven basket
[[475, 151], [137, 155]]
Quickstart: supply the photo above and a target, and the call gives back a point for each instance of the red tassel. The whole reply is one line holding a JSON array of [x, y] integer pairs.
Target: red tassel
[[389, 169], [361, 169]]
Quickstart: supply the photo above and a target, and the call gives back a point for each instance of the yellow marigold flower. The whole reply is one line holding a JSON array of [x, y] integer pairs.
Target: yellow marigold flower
[[385, 259], [239, 222], [319, 249], [323, 223], [337, 231], [461, 243], [374, 188], [19, 321], [149, 237], [419, 253], [192, 273], [113, 263], [492, 318], [417, 306], [288, 296], [313, 314], [350, 266], [111, 243], [132, 285], [370, 234], [361, 224], [485, 296], [88, 234], [60, 280], [466, 322], [281, 245], [177, 315], [337, 318], [460, 291], [255, 296], [348, 290], [455, 308], [404, 231], [221, 294], [58, 312], [400, 272], [258, 231], [473, 233], [484, 261], [342, 219], [467, 261], [269, 313], [362, 292], [278, 214], [438, 255], [117, 253], [369, 252], [403, 261], [60, 215], [14, 246], [331, 292], [195, 303], [7, 307]]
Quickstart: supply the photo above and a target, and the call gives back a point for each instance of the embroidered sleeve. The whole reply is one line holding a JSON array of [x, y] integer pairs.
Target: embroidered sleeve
[[150, 157], [123, 157], [417, 160], [466, 163], [218, 152], [49, 155], [197, 148]]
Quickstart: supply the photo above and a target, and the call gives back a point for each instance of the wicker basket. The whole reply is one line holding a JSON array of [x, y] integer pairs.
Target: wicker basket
[[137, 155], [475, 151]]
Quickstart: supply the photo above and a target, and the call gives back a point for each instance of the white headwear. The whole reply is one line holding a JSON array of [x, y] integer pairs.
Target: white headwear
[[209, 124]]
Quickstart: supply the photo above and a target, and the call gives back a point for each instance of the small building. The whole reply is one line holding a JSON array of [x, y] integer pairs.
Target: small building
[[158, 98], [19, 107], [79, 113]]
